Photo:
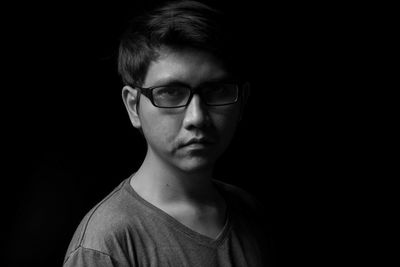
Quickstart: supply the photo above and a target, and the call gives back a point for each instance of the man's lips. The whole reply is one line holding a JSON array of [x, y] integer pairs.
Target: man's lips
[[198, 142]]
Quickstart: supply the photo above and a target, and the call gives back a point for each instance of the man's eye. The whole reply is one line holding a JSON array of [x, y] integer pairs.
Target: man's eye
[[219, 89], [216, 89], [169, 92]]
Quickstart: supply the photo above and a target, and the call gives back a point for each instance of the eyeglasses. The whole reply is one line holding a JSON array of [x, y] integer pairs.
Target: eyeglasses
[[176, 96]]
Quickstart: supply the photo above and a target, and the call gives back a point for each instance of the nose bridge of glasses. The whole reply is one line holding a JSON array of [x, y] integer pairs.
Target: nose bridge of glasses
[[195, 98], [196, 112], [194, 91]]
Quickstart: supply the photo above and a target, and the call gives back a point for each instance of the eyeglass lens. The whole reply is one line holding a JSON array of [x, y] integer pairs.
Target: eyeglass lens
[[178, 95]]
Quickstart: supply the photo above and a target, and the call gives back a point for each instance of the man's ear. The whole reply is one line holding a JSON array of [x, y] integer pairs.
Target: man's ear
[[130, 96], [245, 96]]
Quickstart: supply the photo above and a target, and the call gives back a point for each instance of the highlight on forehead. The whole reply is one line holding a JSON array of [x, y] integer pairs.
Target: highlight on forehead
[[185, 66]]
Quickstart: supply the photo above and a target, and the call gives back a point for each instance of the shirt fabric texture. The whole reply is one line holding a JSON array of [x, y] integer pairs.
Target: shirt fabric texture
[[125, 230]]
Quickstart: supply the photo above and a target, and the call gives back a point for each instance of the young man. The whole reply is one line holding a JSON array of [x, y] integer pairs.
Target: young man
[[182, 93]]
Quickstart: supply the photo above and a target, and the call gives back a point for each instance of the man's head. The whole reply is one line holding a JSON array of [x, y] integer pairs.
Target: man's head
[[179, 24], [191, 100]]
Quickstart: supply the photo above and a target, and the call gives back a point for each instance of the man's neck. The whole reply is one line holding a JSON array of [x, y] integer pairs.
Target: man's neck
[[191, 198], [157, 182]]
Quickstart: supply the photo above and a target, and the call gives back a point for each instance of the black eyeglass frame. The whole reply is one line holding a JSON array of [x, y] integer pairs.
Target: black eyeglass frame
[[193, 90]]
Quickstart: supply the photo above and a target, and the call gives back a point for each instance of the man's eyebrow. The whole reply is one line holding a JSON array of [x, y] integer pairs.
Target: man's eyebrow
[[224, 78], [169, 81], [177, 81]]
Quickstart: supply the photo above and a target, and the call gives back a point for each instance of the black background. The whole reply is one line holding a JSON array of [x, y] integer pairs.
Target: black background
[[71, 140]]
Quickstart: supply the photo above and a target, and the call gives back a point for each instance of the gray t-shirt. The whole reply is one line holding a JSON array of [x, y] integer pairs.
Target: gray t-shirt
[[126, 230]]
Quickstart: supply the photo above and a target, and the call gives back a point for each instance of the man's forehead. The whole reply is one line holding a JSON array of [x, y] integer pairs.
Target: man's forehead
[[187, 66], [189, 54]]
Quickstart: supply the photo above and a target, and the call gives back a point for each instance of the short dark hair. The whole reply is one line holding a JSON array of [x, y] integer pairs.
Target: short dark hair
[[175, 25]]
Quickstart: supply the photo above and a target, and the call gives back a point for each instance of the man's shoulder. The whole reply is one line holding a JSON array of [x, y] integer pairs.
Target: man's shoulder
[[106, 221]]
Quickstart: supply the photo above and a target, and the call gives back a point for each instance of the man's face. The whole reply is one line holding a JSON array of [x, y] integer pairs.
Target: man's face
[[169, 131]]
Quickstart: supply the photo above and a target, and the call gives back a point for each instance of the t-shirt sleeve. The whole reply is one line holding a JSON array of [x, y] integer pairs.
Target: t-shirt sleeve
[[85, 257]]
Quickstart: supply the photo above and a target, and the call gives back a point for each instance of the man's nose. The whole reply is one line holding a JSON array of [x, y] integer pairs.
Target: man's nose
[[196, 114]]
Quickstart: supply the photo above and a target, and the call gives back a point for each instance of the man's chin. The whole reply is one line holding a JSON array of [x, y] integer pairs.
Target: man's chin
[[194, 165]]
